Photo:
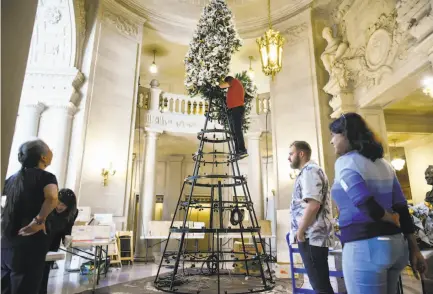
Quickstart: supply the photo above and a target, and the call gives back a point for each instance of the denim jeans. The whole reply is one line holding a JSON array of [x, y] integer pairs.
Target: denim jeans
[[315, 261], [374, 265]]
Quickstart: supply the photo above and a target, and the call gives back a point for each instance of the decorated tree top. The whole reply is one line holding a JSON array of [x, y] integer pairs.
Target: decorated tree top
[[209, 55]]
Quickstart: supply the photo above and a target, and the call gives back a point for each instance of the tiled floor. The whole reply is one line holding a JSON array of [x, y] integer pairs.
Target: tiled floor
[[69, 283], [61, 282]]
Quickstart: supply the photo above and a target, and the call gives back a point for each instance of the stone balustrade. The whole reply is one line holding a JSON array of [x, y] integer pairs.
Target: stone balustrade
[[263, 103], [181, 113], [174, 103]]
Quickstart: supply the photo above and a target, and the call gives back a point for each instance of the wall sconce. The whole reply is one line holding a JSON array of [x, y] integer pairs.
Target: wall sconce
[[107, 172], [294, 173], [428, 86]]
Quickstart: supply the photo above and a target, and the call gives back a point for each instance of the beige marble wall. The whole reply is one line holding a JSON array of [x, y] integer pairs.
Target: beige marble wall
[[111, 112], [296, 106]]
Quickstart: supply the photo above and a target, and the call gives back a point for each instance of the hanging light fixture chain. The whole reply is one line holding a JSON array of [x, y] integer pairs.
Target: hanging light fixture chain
[[269, 14]]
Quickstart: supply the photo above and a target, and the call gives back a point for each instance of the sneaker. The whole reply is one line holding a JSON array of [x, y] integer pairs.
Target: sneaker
[[242, 154]]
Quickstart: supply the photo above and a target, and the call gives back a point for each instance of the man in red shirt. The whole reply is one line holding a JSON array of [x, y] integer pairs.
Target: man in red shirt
[[236, 108]]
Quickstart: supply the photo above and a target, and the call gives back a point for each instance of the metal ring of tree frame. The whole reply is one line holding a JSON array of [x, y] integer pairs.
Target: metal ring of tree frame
[[236, 216]]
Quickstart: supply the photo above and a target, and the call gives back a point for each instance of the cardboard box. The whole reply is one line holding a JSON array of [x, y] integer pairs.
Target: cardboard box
[[253, 266]]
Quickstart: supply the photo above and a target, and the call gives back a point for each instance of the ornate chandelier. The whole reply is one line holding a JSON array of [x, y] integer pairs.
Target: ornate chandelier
[[271, 49]]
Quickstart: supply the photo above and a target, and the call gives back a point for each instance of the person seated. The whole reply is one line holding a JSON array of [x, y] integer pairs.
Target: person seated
[[59, 225]]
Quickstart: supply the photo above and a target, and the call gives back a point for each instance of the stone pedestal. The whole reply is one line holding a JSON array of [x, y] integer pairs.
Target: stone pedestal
[[342, 102], [155, 93]]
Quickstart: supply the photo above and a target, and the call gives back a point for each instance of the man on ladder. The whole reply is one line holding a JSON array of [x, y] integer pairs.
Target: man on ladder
[[236, 108]]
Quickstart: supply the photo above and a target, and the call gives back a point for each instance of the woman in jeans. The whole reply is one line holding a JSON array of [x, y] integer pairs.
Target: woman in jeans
[[376, 227]]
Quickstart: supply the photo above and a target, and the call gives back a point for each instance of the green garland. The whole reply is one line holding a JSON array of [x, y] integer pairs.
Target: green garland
[[208, 59]]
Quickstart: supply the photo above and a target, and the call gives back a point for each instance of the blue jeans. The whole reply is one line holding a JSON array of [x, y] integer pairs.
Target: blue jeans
[[374, 265]]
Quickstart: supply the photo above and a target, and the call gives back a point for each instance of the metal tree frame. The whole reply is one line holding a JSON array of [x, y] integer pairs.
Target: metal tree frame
[[215, 257]]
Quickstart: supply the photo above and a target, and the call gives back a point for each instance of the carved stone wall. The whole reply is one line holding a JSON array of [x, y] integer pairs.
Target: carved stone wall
[[53, 75], [370, 41], [110, 110]]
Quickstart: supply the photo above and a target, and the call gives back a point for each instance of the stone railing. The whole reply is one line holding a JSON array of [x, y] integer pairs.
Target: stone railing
[[182, 104], [180, 113], [263, 103]]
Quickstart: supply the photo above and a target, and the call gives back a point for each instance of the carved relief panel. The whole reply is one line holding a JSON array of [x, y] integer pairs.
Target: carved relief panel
[[368, 42], [53, 43]]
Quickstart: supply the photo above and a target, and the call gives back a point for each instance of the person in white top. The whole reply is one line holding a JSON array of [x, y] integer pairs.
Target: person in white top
[[311, 225]]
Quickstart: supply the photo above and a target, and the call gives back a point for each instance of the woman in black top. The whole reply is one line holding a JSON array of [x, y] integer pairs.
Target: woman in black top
[[31, 197], [59, 225]]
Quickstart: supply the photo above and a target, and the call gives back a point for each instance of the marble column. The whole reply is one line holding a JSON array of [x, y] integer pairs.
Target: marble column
[[255, 173], [376, 121], [55, 129], [26, 128], [147, 192], [269, 198], [173, 186], [17, 16]]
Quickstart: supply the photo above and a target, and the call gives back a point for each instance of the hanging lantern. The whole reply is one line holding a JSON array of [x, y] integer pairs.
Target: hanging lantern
[[398, 163], [153, 68], [271, 49]]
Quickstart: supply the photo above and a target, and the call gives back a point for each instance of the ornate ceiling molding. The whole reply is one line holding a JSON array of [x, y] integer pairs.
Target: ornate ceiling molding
[[172, 24], [366, 47], [126, 21], [296, 33], [122, 24]]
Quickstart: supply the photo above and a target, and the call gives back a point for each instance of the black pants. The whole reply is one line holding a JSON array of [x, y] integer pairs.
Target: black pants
[[45, 277], [236, 118], [316, 263], [22, 268]]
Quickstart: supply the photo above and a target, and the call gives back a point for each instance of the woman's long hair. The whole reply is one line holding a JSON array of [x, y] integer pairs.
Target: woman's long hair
[[360, 136], [67, 197], [29, 155]]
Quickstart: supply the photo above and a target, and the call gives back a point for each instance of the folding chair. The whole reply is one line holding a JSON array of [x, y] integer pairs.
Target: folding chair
[[296, 270]]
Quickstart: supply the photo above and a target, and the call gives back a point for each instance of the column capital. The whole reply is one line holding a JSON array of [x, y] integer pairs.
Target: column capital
[[38, 107], [68, 109]]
